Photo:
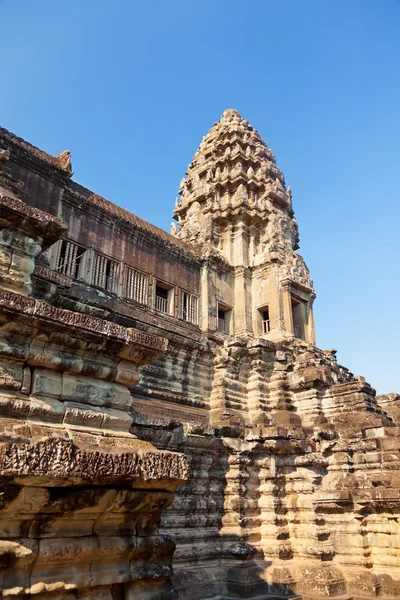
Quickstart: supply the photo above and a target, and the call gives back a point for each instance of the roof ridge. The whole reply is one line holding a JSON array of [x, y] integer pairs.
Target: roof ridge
[[31, 149], [124, 214]]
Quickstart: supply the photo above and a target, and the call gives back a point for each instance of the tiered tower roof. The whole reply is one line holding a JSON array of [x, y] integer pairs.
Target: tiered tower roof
[[233, 176]]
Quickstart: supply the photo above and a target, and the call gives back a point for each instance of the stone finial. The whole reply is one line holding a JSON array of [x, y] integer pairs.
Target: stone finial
[[230, 115], [64, 160], [173, 229], [4, 156]]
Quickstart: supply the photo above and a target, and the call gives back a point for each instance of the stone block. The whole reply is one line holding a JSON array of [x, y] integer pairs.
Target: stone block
[[5, 259], [87, 390], [46, 383], [14, 430], [46, 409], [26, 381], [15, 339], [20, 262], [390, 443], [389, 585], [19, 241], [322, 581], [363, 584], [116, 420], [154, 589], [64, 560], [20, 555], [83, 416], [127, 373], [12, 407], [11, 374], [112, 560]]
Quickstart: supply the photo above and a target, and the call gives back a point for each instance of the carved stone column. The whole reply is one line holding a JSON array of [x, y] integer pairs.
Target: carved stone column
[[243, 302]]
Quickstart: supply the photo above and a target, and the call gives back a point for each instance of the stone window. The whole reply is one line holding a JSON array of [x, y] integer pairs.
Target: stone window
[[105, 273], [299, 309], [164, 298], [224, 318], [264, 320], [188, 307], [136, 285], [67, 258]]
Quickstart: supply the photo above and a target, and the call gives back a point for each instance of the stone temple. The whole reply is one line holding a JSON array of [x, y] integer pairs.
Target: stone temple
[[168, 427]]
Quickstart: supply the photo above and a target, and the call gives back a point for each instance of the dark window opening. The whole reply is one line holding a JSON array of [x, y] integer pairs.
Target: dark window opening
[[299, 318], [163, 299], [266, 321], [224, 317]]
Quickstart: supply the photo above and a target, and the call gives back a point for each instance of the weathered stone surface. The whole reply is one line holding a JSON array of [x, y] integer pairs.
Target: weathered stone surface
[[81, 496], [124, 348]]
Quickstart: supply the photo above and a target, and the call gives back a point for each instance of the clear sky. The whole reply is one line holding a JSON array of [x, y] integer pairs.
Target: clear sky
[[131, 87]]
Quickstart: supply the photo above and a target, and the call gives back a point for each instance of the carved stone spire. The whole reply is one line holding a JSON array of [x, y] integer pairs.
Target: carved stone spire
[[233, 184]]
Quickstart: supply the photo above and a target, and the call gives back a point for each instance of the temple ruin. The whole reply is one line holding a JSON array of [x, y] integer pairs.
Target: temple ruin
[[168, 426]]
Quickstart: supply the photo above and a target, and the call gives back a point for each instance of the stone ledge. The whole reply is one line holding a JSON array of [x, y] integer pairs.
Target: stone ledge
[[60, 461], [30, 307], [53, 276]]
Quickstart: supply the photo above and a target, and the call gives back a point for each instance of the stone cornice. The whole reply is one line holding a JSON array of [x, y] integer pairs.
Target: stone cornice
[[140, 466], [32, 220], [242, 271], [36, 310], [288, 283], [132, 310]]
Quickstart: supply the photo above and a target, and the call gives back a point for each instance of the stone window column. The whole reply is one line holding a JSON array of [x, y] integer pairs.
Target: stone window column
[[243, 317], [287, 307], [204, 298], [310, 328]]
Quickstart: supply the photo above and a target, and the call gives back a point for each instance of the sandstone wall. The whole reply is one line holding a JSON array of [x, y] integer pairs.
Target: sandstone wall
[[81, 495]]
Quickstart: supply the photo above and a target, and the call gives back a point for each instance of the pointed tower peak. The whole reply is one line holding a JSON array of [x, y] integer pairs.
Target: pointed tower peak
[[233, 184], [230, 115]]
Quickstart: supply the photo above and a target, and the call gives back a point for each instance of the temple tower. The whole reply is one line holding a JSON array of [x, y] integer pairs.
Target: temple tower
[[235, 208]]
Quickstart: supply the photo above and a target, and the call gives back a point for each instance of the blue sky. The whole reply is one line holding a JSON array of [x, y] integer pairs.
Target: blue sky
[[131, 87]]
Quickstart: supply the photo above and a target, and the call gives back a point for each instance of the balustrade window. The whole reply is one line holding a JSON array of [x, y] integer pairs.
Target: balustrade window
[[224, 319], [265, 320], [188, 307], [67, 258], [136, 285], [164, 298], [105, 273]]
